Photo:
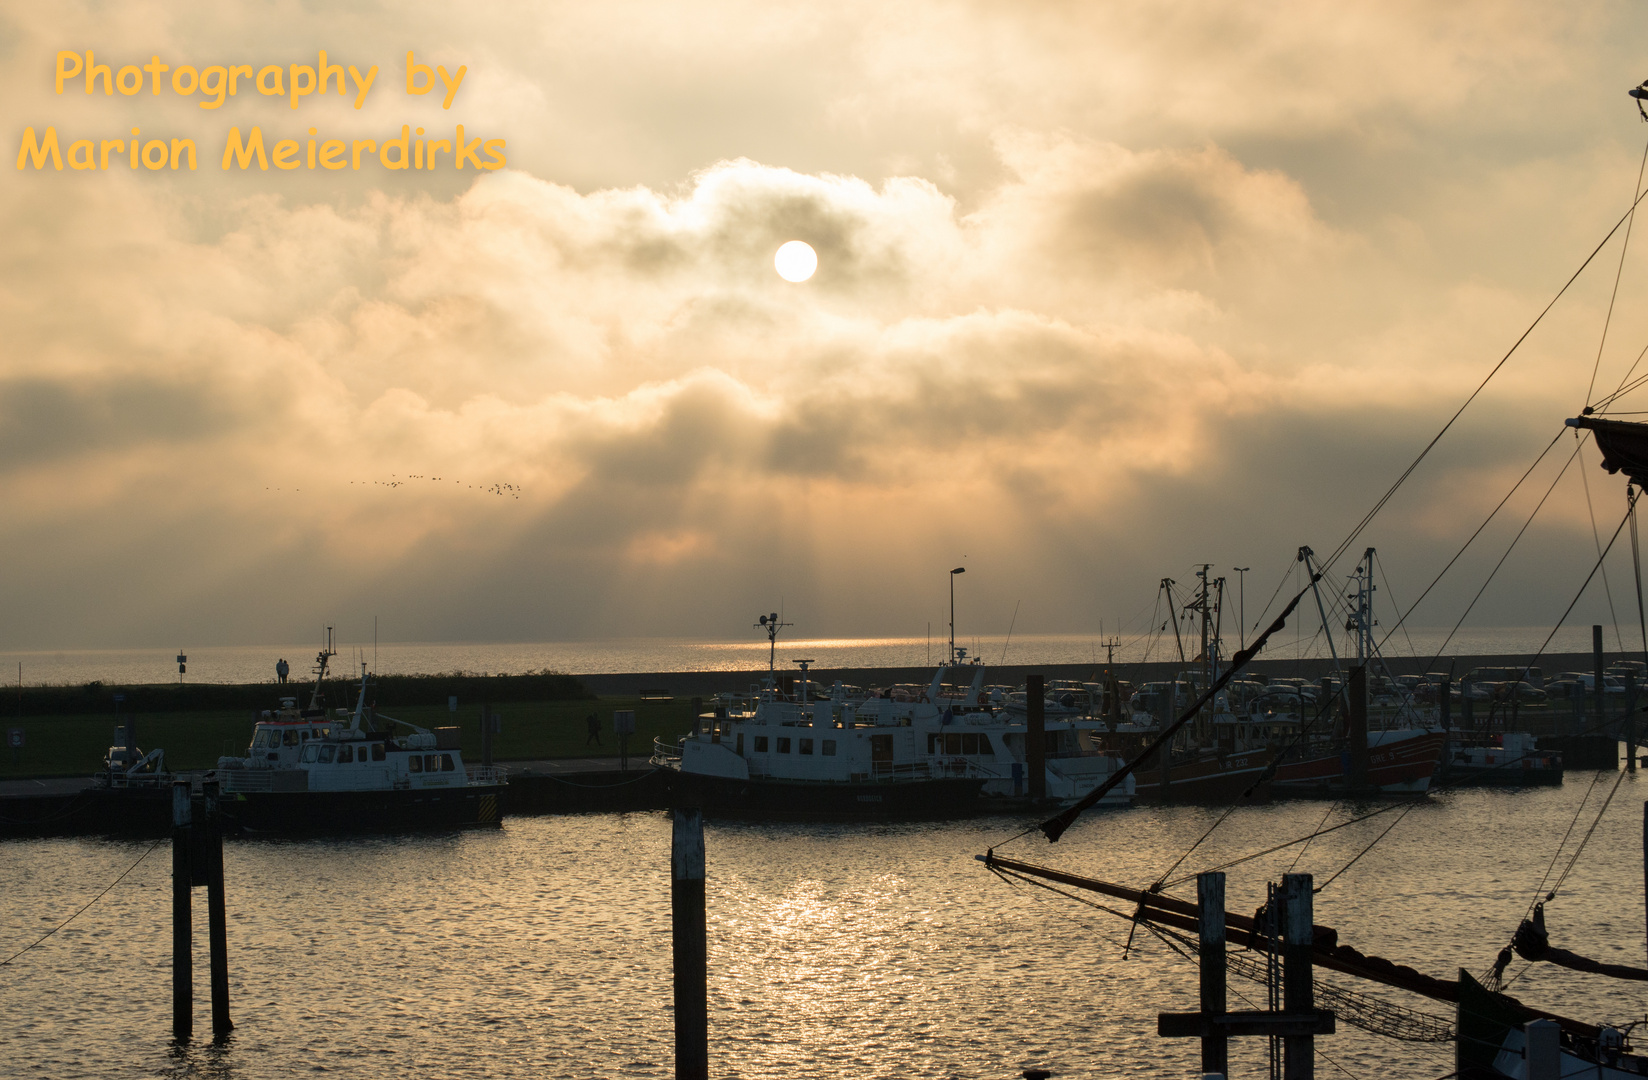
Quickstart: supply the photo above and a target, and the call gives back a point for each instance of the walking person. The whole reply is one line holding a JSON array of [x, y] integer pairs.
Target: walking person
[[282, 669], [594, 724]]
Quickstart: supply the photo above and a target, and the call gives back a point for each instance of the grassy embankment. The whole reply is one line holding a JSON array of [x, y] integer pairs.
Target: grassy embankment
[[67, 730]]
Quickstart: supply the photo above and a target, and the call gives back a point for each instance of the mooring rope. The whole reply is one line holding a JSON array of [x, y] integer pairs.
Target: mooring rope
[[89, 903]]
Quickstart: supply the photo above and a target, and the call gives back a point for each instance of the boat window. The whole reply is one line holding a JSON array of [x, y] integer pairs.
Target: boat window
[[432, 763], [291, 737], [446, 763], [761, 744], [829, 748], [415, 762], [952, 742], [310, 751], [346, 754], [377, 751], [783, 746], [806, 746], [327, 753], [739, 749]]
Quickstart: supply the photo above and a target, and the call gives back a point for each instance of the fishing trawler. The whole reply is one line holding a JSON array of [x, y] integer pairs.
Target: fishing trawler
[[308, 770]]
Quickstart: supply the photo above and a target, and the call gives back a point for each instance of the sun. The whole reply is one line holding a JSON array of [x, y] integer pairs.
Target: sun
[[795, 261]]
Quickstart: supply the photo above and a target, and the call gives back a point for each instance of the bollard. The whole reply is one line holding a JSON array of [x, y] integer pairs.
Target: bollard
[[688, 923], [183, 965], [1210, 898], [1035, 736], [217, 921]]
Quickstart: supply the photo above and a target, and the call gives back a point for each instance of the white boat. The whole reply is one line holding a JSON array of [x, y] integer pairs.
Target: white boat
[[310, 770], [943, 751]]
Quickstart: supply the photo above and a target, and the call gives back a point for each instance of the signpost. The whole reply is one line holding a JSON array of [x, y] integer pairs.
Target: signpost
[[623, 724]]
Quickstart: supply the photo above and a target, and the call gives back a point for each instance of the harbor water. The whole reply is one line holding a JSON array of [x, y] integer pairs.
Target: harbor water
[[543, 948]]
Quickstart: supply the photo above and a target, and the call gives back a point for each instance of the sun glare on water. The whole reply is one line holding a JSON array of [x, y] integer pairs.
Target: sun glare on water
[[796, 261]]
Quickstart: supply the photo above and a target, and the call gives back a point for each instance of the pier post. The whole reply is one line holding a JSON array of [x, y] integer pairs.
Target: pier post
[[1298, 996], [1597, 687], [1168, 718], [1035, 736], [1630, 731], [1444, 702], [1358, 733], [691, 946], [183, 965], [1210, 896], [217, 920]]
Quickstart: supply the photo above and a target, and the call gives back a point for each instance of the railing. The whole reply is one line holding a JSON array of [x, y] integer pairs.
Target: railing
[[664, 752], [234, 780], [487, 774]]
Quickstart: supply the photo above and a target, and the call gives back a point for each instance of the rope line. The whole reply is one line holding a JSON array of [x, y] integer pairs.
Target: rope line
[[1618, 270], [89, 903], [1367, 519]]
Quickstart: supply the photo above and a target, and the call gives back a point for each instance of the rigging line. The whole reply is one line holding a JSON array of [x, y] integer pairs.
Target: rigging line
[[1625, 245], [1557, 854], [89, 903], [1512, 547], [1010, 626], [1176, 862], [1392, 594], [1367, 519], [1586, 839], [1280, 585], [1367, 849], [1331, 807], [1030, 881], [1387, 808], [1623, 389], [1607, 590], [1472, 539]]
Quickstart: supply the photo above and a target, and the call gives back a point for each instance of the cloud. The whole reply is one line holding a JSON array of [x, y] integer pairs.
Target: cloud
[[1098, 291]]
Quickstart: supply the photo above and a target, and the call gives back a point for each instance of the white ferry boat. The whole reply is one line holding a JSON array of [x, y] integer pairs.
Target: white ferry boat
[[946, 752], [309, 771]]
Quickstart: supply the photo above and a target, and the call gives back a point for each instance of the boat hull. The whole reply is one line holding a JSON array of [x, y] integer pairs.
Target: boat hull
[[934, 799], [1220, 778], [1400, 766], [363, 811]]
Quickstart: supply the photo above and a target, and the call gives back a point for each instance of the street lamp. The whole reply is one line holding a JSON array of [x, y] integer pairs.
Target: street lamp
[[1241, 604], [953, 573]]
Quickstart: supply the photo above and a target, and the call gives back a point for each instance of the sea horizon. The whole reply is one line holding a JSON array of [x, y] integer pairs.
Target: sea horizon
[[223, 664]]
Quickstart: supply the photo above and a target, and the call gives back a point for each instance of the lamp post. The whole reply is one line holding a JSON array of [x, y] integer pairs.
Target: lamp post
[[953, 573], [1241, 604]]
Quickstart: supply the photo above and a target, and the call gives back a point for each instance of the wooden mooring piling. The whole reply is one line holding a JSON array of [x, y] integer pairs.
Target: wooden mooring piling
[[1297, 1023], [691, 946], [197, 859]]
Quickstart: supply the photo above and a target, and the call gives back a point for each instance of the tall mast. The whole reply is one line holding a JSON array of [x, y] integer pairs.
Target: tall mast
[[320, 669], [771, 625]]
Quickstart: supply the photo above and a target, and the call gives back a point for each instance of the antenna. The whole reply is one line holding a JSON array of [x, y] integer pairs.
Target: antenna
[[772, 624]]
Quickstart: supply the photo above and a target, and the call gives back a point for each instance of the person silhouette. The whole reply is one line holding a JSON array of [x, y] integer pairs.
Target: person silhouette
[[594, 723], [282, 669]]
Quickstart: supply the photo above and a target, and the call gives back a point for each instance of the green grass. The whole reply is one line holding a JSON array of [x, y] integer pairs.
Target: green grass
[[74, 745]]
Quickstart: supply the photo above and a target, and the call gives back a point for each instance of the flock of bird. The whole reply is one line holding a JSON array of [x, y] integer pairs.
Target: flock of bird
[[501, 490]]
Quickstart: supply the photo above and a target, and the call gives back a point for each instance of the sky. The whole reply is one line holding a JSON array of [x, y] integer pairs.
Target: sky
[[1105, 292]]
